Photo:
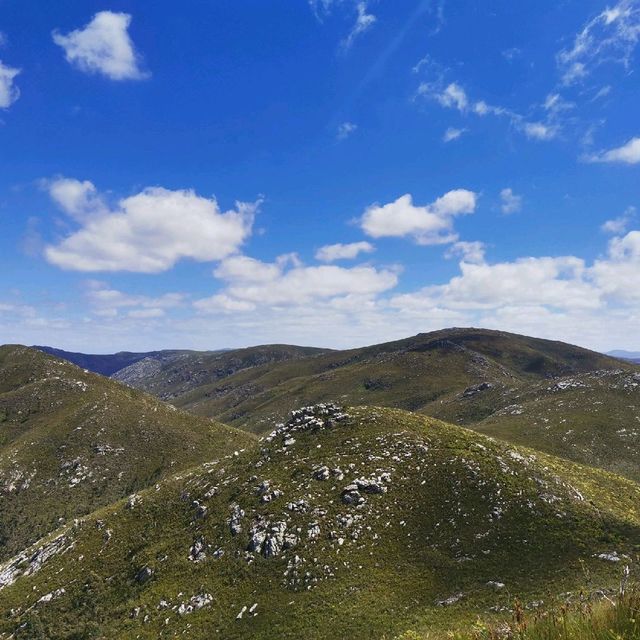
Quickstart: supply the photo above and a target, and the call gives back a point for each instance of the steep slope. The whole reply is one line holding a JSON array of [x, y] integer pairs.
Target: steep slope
[[356, 523], [178, 373], [107, 364], [71, 441]]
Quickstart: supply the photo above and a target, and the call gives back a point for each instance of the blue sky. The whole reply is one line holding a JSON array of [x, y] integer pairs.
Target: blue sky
[[328, 172]]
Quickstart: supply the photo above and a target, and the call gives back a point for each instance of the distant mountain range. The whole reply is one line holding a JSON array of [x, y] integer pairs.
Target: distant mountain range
[[634, 356]]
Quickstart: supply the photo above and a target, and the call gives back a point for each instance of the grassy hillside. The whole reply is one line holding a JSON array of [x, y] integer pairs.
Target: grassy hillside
[[72, 441], [593, 418], [356, 525], [173, 376], [548, 395]]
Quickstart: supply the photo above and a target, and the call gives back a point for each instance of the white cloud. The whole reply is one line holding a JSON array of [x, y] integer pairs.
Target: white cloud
[[452, 134], [103, 46], [611, 36], [107, 302], [617, 274], [617, 226], [9, 93], [345, 129], [148, 232], [364, 21], [332, 252], [540, 130], [472, 252], [628, 153], [78, 199], [454, 96], [556, 282], [251, 283], [511, 203], [429, 224]]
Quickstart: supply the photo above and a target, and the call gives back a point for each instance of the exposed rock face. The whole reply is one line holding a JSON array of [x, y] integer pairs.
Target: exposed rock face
[[316, 417], [235, 521], [270, 539], [198, 553], [29, 562]]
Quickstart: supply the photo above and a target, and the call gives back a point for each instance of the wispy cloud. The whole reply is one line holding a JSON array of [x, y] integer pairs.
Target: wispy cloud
[[9, 92], [452, 134], [364, 22], [345, 129], [611, 36], [454, 96], [510, 202], [619, 225]]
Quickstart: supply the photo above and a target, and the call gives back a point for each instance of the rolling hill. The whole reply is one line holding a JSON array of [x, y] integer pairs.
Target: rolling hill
[[345, 523], [179, 372], [72, 441], [556, 397]]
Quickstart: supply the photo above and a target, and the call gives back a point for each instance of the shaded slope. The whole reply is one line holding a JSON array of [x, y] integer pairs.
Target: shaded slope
[[71, 441], [352, 526], [109, 363], [178, 373]]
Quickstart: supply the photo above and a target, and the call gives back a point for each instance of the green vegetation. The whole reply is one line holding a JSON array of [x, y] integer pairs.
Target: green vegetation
[[452, 526], [547, 395], [72, 441], [605, 618]]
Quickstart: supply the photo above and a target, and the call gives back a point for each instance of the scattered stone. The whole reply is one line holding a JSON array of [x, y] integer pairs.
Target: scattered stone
[[451, 600], [144, 575], [195, 602], [496, 586], [197, 553]]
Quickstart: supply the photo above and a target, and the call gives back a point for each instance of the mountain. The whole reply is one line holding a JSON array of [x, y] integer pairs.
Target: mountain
[[345, 523], [418, 374], [631, 356], [179, 372], [529, 391], [73, 441], [107, 364]]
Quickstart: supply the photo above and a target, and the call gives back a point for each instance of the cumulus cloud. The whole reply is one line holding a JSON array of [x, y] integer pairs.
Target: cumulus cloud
[[9, 92], [251, 283], [556, 282], [611, 36], [333, 252], [628, 153], [618, 226], [511, 203], [364, 21], [103, 46], [472, 252], [148, 232], [428, 224], [345, 129]]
